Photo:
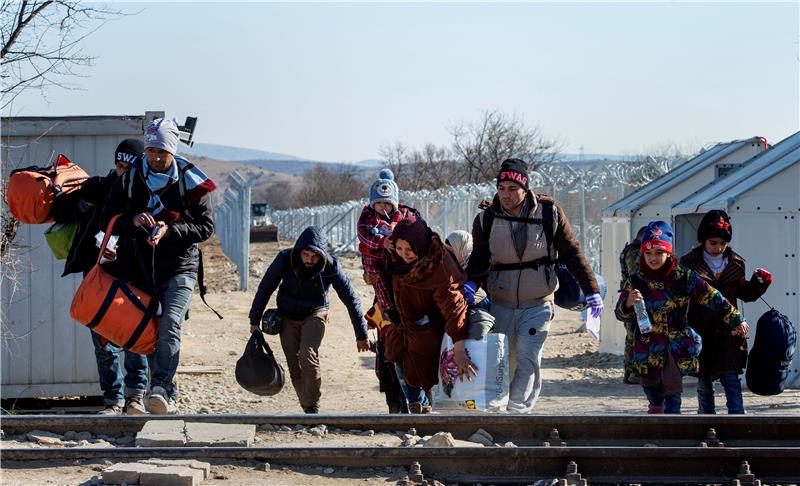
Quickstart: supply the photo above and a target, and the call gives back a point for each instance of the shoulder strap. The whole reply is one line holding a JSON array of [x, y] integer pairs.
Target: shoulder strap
[[548, 221], [201, 283], [487, 221]]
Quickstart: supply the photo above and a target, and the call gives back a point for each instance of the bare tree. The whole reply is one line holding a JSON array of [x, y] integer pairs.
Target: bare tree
[[483, 145], [322, 185], [430, 167], [41, 43], [395, 157]]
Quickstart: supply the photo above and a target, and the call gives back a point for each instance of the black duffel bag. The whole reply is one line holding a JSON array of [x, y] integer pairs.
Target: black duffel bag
[[257, 371]]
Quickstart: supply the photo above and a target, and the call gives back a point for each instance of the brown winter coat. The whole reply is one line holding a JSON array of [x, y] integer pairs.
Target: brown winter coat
[[721, 352], [431, 287]]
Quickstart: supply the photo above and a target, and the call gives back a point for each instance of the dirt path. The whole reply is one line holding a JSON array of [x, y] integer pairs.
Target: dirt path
[[575, 374]]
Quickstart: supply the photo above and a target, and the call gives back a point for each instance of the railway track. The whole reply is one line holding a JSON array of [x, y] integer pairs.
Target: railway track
[[599, 448]]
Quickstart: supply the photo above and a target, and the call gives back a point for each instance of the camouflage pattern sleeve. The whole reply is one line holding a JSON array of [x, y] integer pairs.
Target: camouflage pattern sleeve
[[631, 260]]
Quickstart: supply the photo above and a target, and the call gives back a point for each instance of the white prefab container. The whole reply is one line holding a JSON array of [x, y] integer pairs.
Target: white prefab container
[[44, 352], [654, 201], [763, 200]]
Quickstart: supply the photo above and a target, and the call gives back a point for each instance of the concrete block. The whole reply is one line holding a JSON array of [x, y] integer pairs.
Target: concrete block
[[125, 472], [171, 476], [191, 463], [219, 435], [162, 433]]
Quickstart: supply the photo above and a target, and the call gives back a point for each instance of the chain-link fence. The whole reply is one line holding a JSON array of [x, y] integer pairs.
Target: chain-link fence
[[232, 222], [582, 190]]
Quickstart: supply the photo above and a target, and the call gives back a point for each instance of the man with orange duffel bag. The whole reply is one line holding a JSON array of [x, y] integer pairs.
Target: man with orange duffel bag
[[123, 389], [164, 213]]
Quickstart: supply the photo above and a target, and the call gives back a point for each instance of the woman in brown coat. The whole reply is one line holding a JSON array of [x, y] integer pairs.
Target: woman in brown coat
[[427, 292], [724, 355]]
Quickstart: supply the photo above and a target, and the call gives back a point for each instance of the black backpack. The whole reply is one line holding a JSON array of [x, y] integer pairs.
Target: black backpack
[[569, 294], [773, 349], [257, 371]]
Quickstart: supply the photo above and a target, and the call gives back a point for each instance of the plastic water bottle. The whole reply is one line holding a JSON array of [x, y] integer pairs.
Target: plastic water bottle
[[642, 318]]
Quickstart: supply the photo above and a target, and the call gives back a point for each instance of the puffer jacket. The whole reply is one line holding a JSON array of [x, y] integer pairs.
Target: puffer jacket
[[666, 301], [432, 288], [304, 291], [722, 352]]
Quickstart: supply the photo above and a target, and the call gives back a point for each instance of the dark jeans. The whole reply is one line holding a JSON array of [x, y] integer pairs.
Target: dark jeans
[[111, 376], [175, 296], [300, 341], [412, 393], [733, 394], [662, 403]]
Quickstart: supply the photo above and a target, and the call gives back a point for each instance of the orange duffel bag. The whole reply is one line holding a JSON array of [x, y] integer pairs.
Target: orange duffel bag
[[116, 310], [31, 191]]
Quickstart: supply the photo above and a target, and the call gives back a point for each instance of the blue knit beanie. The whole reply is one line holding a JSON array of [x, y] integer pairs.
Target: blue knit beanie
[[384, 189]]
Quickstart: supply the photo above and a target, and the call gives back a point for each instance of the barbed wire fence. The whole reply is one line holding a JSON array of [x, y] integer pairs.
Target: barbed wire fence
[[582, 190]]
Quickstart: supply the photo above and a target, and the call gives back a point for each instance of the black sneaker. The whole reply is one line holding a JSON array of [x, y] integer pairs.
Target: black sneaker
[[313, 409]]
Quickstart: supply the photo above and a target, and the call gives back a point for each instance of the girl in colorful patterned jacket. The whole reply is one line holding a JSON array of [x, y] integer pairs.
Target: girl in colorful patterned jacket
[[724, 356], [666, 353]]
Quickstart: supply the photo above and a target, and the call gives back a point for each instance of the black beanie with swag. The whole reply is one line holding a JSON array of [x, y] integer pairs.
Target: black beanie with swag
[[514, 170]]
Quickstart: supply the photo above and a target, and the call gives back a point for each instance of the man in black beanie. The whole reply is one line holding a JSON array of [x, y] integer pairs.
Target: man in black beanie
[[121, 393], [514, 259]]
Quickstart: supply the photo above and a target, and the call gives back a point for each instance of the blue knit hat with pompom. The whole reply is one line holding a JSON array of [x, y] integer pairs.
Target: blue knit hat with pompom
[[384, 189]]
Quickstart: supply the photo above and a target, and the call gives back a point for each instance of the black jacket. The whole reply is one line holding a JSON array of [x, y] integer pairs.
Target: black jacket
[[69, 208], [304, 291], [177, 252]]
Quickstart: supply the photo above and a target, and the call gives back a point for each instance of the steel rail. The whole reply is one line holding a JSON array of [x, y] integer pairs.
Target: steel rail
[[620, 430], [510, 464]]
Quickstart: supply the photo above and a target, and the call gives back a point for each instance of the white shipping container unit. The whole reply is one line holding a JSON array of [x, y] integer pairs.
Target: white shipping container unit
[[762, 197], [44, 352]]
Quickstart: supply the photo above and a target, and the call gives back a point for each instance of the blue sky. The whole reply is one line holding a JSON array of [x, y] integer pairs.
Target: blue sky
[[335, 81]]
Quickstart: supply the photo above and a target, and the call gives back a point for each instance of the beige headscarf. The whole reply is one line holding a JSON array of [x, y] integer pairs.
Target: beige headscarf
[[460, 243]]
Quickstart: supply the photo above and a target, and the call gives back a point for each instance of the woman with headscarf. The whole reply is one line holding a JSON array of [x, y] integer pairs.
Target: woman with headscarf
[[427, 284]]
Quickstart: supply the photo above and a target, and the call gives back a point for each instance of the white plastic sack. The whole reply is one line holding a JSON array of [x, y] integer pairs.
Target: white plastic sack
[[488, 391]]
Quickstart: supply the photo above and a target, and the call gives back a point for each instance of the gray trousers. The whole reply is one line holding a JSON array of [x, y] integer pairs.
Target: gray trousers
[[526, 330]]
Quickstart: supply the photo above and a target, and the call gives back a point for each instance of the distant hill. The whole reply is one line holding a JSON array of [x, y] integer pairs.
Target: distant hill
[[297, 167], [233, 154]]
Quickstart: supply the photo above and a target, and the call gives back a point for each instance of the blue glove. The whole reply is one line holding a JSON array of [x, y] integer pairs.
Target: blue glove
[[595, 304], [469, 292]]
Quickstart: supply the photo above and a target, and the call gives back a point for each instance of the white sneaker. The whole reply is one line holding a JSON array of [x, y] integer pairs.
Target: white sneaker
[[158, 402]]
